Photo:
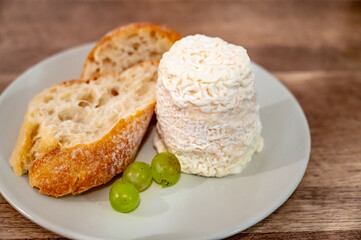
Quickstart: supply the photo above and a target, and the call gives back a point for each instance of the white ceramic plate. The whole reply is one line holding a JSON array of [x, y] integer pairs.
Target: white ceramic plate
[[196, 207]]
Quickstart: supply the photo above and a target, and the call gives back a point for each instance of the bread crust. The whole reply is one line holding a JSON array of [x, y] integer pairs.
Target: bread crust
[[81, 167], [22, 146], [128, 30]]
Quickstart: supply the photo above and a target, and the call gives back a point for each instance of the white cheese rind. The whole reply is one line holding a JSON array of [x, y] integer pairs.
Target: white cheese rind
[[207, 109]]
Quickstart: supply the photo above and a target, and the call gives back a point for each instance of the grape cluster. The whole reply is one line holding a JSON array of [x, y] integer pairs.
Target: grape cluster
[[165, 169]]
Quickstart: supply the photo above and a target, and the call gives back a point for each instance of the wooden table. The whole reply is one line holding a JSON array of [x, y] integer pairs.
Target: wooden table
[[313, 47]]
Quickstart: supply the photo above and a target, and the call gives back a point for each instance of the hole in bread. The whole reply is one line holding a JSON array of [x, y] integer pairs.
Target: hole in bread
[[107, 62], [102, 101], [142, 40], [109, 47], [130, 53], [132, 35], [34, 131], [51, 111], [83, 104], [114, 92], [153, 54], [48, 99], [87, 97], [65, 115], [73, 114], [135, 46], [64, 140], [152, 34]]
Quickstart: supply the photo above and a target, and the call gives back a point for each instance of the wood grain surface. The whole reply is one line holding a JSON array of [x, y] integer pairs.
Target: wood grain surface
[[313, 47]]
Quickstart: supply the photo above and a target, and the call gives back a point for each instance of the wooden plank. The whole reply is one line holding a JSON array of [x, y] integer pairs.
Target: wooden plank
[[332, 103], [315, 209], [2, 200], [14, 226], [308, 235], [280, 35]]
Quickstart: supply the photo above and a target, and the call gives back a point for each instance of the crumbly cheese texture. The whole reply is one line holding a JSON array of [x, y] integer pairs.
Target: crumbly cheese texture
[[207, 111]]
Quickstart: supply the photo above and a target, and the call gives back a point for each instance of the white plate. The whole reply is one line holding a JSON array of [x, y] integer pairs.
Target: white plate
[[195, 208]]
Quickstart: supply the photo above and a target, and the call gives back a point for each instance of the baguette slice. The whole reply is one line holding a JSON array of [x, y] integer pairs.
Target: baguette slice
[[81, 133], [127, 46]]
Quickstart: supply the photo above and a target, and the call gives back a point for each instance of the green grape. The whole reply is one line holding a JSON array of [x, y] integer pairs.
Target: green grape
[[139, 174], [123, 196], [166, 169]]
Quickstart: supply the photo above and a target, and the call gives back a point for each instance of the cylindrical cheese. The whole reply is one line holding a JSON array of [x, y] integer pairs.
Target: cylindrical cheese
[[207, 111]]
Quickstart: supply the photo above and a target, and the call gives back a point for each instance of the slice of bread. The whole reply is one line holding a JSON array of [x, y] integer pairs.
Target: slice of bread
[[127, 46], [81, 133]]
